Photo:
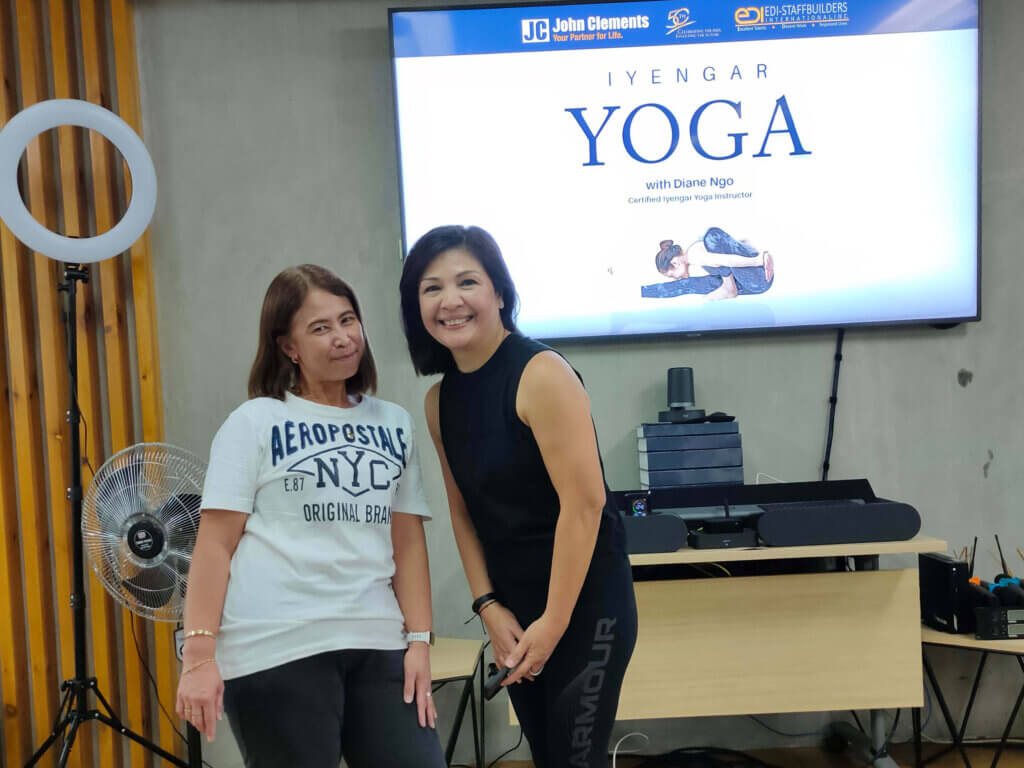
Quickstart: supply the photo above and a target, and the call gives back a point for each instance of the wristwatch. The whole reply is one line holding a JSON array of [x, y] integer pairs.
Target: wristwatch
[[420, 637]]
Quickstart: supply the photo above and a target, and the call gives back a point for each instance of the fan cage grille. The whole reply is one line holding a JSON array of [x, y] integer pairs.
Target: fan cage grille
[[153, 492]]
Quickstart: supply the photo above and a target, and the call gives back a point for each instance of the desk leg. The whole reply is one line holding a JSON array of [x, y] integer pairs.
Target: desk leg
[[945, 709], [915, 714], [460, 714], [1013, 716], [864, 745], [879, 738], [970, 699], [476, 735], [483, 712]]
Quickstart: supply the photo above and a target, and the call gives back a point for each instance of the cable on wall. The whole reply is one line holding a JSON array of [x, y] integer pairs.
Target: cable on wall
[[833, 399]]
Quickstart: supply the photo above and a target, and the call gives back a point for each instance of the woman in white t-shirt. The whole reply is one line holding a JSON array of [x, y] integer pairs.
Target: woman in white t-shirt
[[308, 612]]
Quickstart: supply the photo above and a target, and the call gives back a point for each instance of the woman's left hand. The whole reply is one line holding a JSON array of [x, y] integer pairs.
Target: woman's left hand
[[417, 683], [534, 649]]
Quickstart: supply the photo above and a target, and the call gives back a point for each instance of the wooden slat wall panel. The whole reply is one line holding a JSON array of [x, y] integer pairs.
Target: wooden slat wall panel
[[33, 433], [43, 204], [105, 166], [14, 678], [104, 612], [31, 486], [101, 606], [142, 265], [14, 663], [27, 426], [144, 295]]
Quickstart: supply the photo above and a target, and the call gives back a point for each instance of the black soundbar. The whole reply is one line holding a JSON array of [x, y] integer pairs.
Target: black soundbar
[[836, 522], [783, 514]]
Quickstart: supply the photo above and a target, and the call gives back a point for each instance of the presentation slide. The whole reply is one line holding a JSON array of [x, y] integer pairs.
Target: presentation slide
[[653, 168]]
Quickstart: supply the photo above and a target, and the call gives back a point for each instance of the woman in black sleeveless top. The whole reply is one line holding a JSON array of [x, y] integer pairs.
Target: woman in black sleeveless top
[[541, 545]]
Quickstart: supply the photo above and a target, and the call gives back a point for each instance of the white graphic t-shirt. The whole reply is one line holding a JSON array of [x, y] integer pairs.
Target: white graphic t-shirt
[[312, 571]]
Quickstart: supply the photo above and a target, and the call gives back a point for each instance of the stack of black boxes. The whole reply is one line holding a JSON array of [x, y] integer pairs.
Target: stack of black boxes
[[706, 453]]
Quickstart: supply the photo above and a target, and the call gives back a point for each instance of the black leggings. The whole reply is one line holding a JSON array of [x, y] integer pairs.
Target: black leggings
[[567, 713], [310, 712]]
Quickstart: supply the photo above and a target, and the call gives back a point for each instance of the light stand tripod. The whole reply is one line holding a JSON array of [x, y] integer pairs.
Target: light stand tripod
[[74, 708]]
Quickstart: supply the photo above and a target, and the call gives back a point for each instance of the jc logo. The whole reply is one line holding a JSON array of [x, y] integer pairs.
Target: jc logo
[[536, 31]]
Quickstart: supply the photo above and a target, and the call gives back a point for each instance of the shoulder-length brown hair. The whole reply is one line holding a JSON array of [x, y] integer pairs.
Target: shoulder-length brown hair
[[273, 373]]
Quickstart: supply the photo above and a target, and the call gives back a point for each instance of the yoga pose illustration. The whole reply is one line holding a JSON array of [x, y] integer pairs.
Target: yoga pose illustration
[[734, 268]]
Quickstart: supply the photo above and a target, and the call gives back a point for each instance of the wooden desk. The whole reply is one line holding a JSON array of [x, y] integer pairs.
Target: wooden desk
[[787, 643], [915, 545], [931, 636]]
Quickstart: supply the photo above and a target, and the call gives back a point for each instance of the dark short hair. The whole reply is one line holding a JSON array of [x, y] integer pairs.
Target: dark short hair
[[428, 355], [663, 259], [272, 373]]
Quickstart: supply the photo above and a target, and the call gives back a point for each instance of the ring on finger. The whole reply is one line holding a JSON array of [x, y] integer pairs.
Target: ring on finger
[[536, 672]]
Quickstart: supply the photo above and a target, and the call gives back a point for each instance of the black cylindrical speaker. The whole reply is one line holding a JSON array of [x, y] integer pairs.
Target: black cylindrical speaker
[[680, 388]]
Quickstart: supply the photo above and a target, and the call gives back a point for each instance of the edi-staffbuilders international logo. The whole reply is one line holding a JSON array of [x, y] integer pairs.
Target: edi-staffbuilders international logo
[[832, 14]]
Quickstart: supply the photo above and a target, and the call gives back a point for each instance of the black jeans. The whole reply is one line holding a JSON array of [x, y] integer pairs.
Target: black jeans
[[309, 713]]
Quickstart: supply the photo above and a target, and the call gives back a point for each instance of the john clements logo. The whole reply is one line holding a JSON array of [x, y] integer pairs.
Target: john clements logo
[[536, 30], [678, 19], [592, 682]]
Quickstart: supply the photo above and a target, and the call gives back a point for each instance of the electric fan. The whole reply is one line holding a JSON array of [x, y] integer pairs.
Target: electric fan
[[140, 518]]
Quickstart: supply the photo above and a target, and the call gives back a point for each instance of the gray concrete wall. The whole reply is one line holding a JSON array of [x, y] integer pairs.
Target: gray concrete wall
[[270, 123]]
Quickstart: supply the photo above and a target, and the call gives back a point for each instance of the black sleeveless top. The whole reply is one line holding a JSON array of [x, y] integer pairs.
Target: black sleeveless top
[[498, 467]]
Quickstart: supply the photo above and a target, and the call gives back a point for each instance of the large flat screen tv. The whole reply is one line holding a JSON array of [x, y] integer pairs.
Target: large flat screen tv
[[689, 166]]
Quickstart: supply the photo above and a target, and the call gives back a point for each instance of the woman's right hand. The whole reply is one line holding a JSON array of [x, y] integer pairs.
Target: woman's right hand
[[503, 630], [201, 697]]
